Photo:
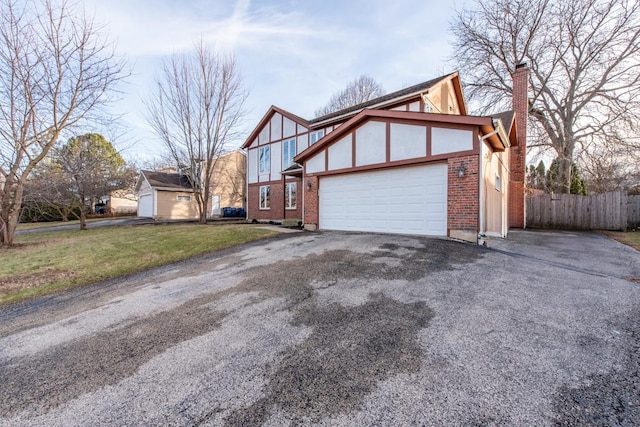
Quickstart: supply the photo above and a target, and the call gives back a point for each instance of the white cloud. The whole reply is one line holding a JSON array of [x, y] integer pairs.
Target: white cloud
[[292, 53]]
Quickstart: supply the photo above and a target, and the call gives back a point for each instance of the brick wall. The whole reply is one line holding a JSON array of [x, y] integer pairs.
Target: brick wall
[[518, 157], [297, 212], [463, 194], [311, 203], [277, 212]]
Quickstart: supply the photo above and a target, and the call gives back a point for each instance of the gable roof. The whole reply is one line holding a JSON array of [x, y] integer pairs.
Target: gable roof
[[347, 113], [393, 97], [508, 119], [484, 123], [265, 119], [169, 181]]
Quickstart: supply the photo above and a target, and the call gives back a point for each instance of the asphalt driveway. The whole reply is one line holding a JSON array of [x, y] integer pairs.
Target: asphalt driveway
[[340, 329]]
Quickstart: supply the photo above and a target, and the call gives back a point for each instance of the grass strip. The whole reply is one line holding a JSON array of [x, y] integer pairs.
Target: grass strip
[[48, 262], [629, 238]]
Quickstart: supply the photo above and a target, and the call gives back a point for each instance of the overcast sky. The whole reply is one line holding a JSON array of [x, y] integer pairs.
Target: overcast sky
[[291, 53]]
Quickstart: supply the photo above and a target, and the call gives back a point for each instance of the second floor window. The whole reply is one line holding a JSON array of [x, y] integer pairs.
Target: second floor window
[[315, 136], [288, 152], [265, 159]]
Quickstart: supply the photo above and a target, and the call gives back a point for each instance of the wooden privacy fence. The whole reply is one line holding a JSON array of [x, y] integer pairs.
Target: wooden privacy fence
[[608, 211]]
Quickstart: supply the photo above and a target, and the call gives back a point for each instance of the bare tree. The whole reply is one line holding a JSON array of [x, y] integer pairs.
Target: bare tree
[[584, 57], [606, 168], [358, 91], [56, 71], [195, 111]]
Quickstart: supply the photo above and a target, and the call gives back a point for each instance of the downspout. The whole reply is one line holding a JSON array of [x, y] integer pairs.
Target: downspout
[[246, 189], [481, 233], [303, 190]]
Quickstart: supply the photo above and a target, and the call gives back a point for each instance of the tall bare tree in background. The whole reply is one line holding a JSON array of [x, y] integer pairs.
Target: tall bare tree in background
[[584, 57], [358, 91], [195, 111], [56, 71]]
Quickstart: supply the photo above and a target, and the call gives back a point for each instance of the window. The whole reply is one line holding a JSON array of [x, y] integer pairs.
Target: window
[[498, 183], [265, 197], [265, 159], [183, 198], [315, 136], [288, 152], [290, 195]]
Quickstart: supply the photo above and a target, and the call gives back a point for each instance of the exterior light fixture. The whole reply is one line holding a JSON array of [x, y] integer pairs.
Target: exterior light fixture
[[462, 169], [308, 185]]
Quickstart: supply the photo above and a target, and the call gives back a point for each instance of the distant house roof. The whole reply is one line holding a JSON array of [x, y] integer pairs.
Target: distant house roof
[[167, 180], [399, 94]]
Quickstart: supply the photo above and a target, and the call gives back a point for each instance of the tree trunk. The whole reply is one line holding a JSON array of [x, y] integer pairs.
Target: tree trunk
[[564, 172], [10, 210], [203, 209], [83, 213]]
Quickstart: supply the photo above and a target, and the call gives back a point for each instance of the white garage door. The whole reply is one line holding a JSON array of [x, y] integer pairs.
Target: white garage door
[[145, 205], [409, 200]]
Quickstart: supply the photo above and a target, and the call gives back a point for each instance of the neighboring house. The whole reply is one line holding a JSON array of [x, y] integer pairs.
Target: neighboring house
[[169, 195], [229, 185], [121, 201], [409, 162]]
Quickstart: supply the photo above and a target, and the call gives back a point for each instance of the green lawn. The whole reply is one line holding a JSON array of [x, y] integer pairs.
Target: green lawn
[[47, 262], [629, 238], [32, 225]]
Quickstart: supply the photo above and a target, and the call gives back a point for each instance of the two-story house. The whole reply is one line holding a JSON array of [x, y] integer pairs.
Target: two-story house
[[409, 162]]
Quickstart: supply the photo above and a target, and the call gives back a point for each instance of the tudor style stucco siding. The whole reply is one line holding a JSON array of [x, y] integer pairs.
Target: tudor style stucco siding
[[269, 153]]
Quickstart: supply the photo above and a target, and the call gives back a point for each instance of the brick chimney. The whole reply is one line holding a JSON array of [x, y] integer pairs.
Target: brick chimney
[[518, 158]]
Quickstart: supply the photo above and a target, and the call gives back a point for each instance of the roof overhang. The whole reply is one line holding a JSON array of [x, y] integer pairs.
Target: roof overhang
[[496, 135], [293, 170], [454, 78], [485, 123]]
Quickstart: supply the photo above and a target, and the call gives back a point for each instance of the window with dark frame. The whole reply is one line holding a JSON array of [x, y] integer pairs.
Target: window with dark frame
[[315, 136], [264, 155], [288, 152]]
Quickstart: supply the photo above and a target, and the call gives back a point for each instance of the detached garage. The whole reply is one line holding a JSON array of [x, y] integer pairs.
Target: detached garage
[[407, 200], [164, 195]]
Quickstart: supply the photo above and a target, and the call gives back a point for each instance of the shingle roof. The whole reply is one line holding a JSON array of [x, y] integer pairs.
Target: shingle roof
[[506, 117], [388, 97], [167, 180]]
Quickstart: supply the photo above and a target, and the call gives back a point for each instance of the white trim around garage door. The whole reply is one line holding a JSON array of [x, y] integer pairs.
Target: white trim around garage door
[[407, 200]]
